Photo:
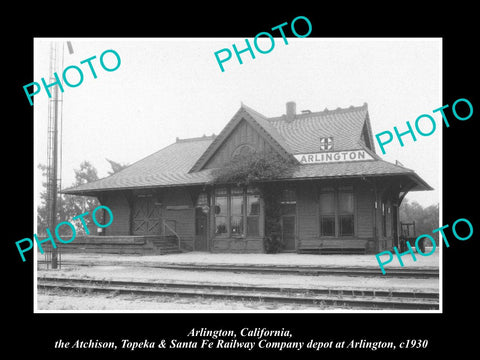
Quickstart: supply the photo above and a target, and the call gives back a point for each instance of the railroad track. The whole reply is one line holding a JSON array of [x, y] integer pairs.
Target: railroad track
[[404, 272], [351, 298]]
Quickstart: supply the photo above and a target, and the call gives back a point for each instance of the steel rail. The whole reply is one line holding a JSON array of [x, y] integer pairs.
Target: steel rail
[[352, 297], [280, 269]]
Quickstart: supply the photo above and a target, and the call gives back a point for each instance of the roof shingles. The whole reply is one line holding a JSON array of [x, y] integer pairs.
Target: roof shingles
[[303, 133], [172, 165]]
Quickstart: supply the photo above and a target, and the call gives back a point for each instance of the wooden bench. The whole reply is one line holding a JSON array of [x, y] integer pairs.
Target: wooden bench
[[350, 246]]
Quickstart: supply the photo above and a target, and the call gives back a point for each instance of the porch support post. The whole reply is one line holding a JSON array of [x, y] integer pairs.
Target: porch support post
[[130, 198]]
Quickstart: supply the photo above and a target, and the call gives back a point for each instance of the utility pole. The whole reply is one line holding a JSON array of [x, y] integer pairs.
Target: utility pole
[[52, 146], [54, 139]]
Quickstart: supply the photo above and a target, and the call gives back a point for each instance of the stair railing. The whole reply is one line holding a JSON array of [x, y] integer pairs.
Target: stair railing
[[166, 226]]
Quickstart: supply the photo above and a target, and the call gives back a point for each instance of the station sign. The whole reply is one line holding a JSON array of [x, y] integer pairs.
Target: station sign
[[334, 156]]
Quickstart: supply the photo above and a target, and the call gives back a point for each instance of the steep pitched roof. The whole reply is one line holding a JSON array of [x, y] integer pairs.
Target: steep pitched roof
[[259, 122], [268, 126], [303, 132], [166, 167], [181, 163]]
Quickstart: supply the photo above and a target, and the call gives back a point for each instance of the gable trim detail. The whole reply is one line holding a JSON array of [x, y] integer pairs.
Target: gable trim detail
[[242, 114]]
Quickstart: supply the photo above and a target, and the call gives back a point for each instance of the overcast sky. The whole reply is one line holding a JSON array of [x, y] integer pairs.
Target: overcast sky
[[168, 88]]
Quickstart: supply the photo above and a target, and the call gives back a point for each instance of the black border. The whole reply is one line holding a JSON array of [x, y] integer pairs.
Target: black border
[[446, 331]]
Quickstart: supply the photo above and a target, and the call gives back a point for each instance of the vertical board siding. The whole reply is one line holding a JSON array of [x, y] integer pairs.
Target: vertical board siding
[[184, 224], [184, 218], [175, 197], [232, 245], [365, 208], [242, 134], [307, 212], [118, 204]]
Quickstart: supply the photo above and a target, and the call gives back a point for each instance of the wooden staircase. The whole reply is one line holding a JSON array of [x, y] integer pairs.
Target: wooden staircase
[[165, 245]]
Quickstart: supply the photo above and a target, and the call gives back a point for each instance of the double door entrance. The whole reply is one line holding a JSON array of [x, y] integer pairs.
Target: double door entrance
[[146, 219], [201, 231]]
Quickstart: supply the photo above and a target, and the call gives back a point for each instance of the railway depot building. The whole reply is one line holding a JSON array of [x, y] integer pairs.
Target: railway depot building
[[339, 196]]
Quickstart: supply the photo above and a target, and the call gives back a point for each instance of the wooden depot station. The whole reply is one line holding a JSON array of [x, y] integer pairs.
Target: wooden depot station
[[341, 197]]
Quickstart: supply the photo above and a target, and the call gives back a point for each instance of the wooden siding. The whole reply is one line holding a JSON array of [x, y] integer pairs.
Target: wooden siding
[[237, 245], [178, 209], [117, 202], [243, 134], [184, 221], [308, 218], [307, 212], [365, 199], [388, 194], [176, 197], [389, 222]]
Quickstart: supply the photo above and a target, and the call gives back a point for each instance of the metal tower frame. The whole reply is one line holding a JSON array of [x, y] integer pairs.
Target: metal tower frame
[[54, 142]]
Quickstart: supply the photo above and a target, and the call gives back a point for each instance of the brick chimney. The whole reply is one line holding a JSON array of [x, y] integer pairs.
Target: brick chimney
[[291, 110]]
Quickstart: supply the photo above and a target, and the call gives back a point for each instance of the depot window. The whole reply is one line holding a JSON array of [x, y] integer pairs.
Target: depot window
[[237, 212], [336, 208]]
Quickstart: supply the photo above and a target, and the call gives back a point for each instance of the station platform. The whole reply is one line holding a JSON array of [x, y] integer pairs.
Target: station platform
[[431, 262]]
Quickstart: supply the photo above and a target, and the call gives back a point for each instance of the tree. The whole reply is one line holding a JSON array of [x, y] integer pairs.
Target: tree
[[69, 206], [426, 219], [42, 211], [82, 204], [247, 169], [116, 167]]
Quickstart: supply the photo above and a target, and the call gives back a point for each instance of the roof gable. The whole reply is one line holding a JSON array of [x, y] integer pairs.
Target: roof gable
[[246, 128]]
